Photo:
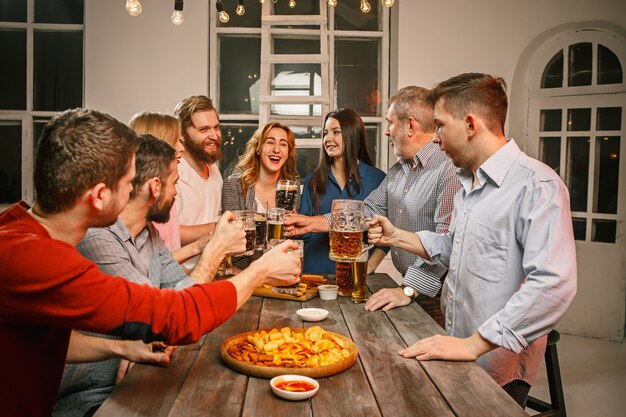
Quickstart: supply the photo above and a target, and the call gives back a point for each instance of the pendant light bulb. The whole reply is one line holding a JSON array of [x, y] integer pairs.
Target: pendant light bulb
[[261, 1], [388, 3], [133, 7], [177, 16], [221, 13], [240, 10], [332, 3], [365, 6], [292, 3]]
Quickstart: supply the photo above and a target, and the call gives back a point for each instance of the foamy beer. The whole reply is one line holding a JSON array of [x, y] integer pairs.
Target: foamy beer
[[247, 217], [286, 192], [275, 223], [346, 235]]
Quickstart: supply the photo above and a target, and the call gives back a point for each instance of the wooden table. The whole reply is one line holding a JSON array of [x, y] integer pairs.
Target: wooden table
[[381, 383]]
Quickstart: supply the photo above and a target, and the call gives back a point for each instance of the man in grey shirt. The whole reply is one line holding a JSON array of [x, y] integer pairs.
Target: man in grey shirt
[[132, 248], [510, 250]]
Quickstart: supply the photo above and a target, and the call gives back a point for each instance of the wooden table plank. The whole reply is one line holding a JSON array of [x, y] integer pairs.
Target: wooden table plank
[[348, 390], [150, 390], [460, 383], [203, 391], [399, 384]]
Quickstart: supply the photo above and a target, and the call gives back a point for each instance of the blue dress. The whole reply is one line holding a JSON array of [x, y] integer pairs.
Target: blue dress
[[317, 245]]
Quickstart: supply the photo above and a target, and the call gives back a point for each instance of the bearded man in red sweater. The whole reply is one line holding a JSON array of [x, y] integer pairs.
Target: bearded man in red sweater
[[83, 170]]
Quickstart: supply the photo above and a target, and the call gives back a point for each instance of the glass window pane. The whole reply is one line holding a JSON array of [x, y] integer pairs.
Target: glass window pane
[[607, 174], [235, 135], [59, 11], [603, 231], [553, 72], [580, 228], [578, 120], [609, 118], [250, 19], [371, 138], [307, 132], [349, 17], [13, 70], [10, 161], [58, 70], [296, 46], [12, 11], [577, 171], [550, 120], [580, 64], [239, 83], [297, 80], [306, 161], [296, 7], [356, 75], [609, 67], [550, 152]]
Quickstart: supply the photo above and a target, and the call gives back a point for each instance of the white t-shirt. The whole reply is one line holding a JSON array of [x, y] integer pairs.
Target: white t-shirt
[[198, 200]]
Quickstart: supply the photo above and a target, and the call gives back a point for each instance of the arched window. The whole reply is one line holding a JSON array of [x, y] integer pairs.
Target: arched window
[[576, 112]]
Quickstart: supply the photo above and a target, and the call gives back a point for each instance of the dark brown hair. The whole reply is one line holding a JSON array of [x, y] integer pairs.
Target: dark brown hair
[[354, 149], [153, 159], [78, 149], [479, 93]]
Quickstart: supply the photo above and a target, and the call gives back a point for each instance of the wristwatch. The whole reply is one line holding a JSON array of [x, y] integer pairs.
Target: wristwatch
[[409, 291]]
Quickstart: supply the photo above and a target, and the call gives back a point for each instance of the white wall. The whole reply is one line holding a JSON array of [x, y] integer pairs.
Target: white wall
[[142, 63]]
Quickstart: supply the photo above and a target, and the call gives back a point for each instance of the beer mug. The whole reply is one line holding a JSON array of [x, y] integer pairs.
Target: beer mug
[[275, 223], [286, 192], [346, 235], [260, 222], [247, 217], [275, 242], [347, 205]]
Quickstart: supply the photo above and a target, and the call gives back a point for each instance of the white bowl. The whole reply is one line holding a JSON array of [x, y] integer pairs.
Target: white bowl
[[294, 395], [312, 314], [328, 292]]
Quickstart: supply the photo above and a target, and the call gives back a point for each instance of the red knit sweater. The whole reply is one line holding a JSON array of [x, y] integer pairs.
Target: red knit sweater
[[47, 288]]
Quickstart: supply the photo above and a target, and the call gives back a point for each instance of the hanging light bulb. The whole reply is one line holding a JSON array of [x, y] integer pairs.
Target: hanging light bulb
[[240, 10], [221, 13], [133, 7], [261, 1], [332, 3], [292, 3], [177, 16], [365, 6], [388, 3]]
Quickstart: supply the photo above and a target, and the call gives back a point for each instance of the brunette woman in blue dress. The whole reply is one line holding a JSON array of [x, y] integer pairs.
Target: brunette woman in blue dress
[[345, 171]]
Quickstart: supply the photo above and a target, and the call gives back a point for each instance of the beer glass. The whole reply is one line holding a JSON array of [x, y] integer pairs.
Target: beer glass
[[359, 277], [346, 235], [275, 223], [347, 205], [275, 242], [247, 217], [286, 192], [226, 267], [260, 222], [343, 278]]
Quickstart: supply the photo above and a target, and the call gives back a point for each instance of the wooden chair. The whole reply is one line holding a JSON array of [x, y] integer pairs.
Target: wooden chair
[[556, 407]]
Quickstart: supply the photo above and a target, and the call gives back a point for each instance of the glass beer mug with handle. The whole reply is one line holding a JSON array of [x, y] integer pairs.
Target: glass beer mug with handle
[[346, 230], [247, 217], [286, 192]]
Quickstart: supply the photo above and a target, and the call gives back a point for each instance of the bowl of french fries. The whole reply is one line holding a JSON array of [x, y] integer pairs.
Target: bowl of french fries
[[312, 352]]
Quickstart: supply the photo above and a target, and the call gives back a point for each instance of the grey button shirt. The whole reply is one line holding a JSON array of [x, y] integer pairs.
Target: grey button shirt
[[512, 260]]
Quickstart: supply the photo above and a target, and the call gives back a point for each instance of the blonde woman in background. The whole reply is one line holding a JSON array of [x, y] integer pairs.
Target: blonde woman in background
[[270, 156], [167, 128]]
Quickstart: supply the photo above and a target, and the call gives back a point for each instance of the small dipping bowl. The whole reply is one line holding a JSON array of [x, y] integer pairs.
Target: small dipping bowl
[[291, 386], [328, 292], [312, 314]]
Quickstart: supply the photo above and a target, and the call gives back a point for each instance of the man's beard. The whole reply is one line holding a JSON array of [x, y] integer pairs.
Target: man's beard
[[199, 153], [159, 212]]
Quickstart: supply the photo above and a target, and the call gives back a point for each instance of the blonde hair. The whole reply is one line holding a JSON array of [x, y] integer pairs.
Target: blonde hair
[[190, 105], [250, 162], [160, 125]]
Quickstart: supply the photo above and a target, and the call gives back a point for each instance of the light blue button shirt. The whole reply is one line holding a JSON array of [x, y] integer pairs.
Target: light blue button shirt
[[511, 258]]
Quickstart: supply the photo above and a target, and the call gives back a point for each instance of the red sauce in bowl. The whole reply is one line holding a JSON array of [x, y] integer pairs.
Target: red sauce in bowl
[[295, 386]]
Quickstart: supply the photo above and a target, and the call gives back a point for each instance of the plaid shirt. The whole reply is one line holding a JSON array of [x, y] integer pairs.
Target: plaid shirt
[[417, 195]]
